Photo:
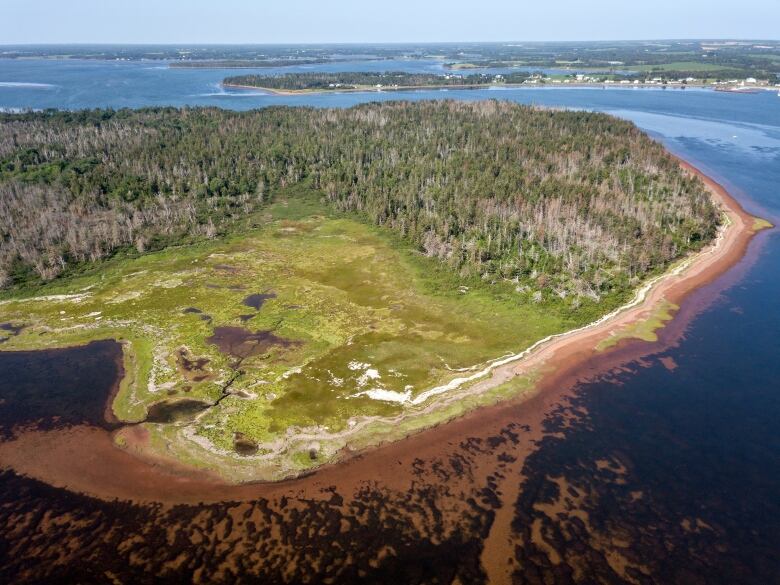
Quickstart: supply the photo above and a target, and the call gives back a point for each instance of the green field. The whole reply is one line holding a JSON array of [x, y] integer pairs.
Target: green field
[[354, 326], [678, 66]]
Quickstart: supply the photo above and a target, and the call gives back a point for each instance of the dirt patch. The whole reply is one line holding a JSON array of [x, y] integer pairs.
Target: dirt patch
[[242, 343], [190, 310]]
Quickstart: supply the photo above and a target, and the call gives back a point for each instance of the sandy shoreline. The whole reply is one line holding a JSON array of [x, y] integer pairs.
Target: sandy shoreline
[[86, 460], [671, 286]]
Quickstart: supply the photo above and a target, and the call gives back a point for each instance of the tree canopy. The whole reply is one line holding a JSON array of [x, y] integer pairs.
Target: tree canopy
[[562, 202]]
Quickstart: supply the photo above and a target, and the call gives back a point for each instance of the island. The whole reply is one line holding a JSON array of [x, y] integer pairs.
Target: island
[[291, 83], [308, 83], [292, 285]]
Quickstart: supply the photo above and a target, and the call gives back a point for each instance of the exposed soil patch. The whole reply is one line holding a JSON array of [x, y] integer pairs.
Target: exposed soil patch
[[256, 300], [189, 310], [242, 343]]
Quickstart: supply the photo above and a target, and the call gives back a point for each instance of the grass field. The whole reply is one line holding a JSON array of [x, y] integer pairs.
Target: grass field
[[678, 66], [349, 325]]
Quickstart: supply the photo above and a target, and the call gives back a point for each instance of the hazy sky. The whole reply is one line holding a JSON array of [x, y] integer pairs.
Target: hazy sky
[[283, 21]]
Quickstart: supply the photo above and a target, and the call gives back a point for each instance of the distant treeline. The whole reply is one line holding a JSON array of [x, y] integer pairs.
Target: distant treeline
[[624, 72], [573, 204], [719, 60], [351, 80], [247, 64]]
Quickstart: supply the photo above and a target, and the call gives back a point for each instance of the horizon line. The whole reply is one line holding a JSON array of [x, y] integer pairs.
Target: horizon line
[[375, 43]]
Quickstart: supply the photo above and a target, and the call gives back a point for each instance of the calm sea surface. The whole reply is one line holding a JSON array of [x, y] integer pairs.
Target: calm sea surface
[[702, 439]]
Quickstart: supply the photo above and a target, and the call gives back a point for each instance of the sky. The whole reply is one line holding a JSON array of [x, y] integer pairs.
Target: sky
[[351, 21]]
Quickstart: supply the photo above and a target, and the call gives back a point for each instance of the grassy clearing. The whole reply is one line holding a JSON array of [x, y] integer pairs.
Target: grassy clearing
[[678, 66]]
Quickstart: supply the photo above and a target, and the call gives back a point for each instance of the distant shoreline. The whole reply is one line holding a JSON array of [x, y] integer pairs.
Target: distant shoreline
[[360, 89], [498, 86]]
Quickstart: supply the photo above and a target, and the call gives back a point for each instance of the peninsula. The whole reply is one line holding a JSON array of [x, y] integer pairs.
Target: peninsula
[[292, 83], [283, 282]]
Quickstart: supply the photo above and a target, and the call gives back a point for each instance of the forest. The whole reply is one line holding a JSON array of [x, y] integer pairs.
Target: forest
[[560, 202], [351, 80]]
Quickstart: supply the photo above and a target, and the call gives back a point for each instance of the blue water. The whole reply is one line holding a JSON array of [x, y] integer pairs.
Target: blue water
[[701, 440], [74, 84], [724, 133]]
